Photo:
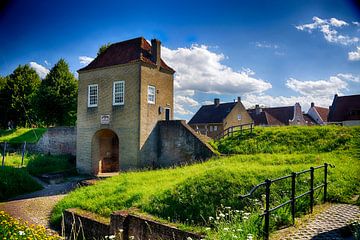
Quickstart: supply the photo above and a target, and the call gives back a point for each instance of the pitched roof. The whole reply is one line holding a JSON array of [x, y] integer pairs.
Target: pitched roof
[[309, 120], [272, 116], [345, 108], [212, 113], [323, 112], [133, 50]]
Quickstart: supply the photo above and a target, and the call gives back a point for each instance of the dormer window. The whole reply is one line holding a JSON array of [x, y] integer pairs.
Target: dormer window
[[118, 93], [151, 94], [93, 92]]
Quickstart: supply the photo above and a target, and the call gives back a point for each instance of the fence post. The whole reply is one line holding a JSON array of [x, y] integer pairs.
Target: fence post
[[3, 157], [311, 189], [325, 181], [267, 208], [23, 153], [293, 194]]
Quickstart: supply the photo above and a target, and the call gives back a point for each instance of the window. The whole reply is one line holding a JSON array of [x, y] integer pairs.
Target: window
[[239, 117], [93, 93], [118, 93], [151, 94], [211, 128], [215, 128]]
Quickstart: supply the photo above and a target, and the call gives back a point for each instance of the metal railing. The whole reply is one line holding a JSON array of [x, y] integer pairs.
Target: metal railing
[[293, 197], [233, 129]]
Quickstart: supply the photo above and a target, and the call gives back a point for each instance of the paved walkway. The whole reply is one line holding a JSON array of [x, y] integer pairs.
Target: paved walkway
[[329, 225]]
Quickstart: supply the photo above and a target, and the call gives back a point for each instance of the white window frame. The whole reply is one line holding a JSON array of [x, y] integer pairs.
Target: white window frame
[[120, 93], [211, 128], [215, 128], [97, 95], [148, 95]]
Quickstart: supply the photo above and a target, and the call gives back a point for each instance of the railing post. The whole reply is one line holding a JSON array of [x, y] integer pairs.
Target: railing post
[[311, 189], [267, 208], [325, 181], [23, 153], [3, 157], [293, 194]]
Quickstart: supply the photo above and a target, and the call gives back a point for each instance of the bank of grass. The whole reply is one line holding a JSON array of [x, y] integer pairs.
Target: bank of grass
[[16, 181], [20, 135], [193, 194]]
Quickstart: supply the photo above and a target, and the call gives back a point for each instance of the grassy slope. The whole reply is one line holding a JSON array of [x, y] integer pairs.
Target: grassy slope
[[195, 192], [20, 135]]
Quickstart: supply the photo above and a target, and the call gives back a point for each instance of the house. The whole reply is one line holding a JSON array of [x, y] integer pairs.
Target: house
[[309, 120], [211, 120], [345, 110], [123, 93], [277, 116], [318, 114]]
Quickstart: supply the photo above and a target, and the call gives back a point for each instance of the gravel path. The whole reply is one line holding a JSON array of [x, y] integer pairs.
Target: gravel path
[[329, 225], [36, 207]]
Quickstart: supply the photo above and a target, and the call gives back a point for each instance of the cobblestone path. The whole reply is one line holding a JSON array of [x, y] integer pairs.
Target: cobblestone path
[[330, 224]]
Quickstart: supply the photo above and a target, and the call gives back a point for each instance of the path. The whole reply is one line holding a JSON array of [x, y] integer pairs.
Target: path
[[330, 224], [36, 207]]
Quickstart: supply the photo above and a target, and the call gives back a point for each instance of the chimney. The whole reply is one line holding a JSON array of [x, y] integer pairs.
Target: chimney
[[257, 109], [239, 99], [156, 51], [312, 105], [216, 101]]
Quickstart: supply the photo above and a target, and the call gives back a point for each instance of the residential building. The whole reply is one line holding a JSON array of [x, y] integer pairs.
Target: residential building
[[318, 114], [211, 120], [277, 116], [345, 110]]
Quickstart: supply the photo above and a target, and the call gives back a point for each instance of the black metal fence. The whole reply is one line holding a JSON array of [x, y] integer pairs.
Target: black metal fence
[[233, 129], [292, 201]]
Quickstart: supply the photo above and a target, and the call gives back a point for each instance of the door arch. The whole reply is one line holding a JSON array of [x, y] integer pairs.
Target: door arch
[[105, 152]]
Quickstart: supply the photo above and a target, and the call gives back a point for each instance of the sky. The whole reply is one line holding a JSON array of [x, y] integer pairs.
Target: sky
[[272, 53]]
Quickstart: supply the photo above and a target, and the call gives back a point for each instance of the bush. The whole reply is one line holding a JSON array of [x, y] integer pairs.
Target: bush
[[16, 181], [40, 164]]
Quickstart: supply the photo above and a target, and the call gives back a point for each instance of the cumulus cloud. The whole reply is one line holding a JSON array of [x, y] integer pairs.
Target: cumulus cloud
[[349, 77], [200, 70], [327, 27], [85, 60], [321, 88], [40, 69], [354, 56]]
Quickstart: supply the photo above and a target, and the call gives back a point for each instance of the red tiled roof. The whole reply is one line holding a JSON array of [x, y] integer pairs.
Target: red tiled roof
[[133, 50], [272, 116], [323, 112], [345, 108]]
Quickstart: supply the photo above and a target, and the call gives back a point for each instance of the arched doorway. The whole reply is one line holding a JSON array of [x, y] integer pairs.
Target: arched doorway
[[105, 152]]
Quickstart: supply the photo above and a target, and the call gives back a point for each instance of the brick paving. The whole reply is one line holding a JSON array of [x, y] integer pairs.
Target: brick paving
[[330, 224]]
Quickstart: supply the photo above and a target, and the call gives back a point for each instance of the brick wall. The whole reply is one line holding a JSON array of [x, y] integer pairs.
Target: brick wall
[[56, 141]]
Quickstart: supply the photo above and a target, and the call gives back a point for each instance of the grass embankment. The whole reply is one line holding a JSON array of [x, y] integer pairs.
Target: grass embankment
[[192, 194], [20, 135]]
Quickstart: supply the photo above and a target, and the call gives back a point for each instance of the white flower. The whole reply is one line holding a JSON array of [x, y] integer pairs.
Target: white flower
[[211, 218], [21, 233], [221, 215], [226, 229], [228, 208], [249, 237], [207, 229]]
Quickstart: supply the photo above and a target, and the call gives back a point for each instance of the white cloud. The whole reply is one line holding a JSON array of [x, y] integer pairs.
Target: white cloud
[[356, 23], [349, 77], [326, 26], [46, 63], [322, 88], [184, 100], [207, 102], [85, 60], [266, 45], [354, 56], [40, 69], [200, 70]]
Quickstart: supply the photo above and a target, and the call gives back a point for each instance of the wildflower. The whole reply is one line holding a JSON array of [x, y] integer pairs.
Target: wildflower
[[226, 229], [228, 208], [207, 229], [221, 215], [188, 238], [249, 236], [21, 233], [211, 218]]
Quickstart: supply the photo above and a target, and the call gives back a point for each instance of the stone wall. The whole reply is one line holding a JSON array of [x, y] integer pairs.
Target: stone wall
[[56, 141], [121, 224], [179, 144]]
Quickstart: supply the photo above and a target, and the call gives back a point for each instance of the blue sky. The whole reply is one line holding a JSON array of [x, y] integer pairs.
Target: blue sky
[[273, 53]]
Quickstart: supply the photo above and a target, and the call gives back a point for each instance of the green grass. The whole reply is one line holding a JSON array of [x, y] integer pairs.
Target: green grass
[[191, 194], [40, 164], [20, 135], [16, 181]]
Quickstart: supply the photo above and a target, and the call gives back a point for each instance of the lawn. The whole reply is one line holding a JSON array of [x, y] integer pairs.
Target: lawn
[[20, 135]]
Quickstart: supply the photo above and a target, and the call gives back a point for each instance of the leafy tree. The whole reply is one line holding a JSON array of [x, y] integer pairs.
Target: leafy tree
[[57, 96], [103, 48], [19, 92], [5, 100]]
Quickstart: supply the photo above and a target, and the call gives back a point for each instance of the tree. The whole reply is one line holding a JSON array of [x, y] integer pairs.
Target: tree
[[103, 48], [19, 90], [57, 96], [5, 100]]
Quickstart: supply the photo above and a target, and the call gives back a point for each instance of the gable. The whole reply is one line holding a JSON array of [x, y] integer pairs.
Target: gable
[[212, 113]]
